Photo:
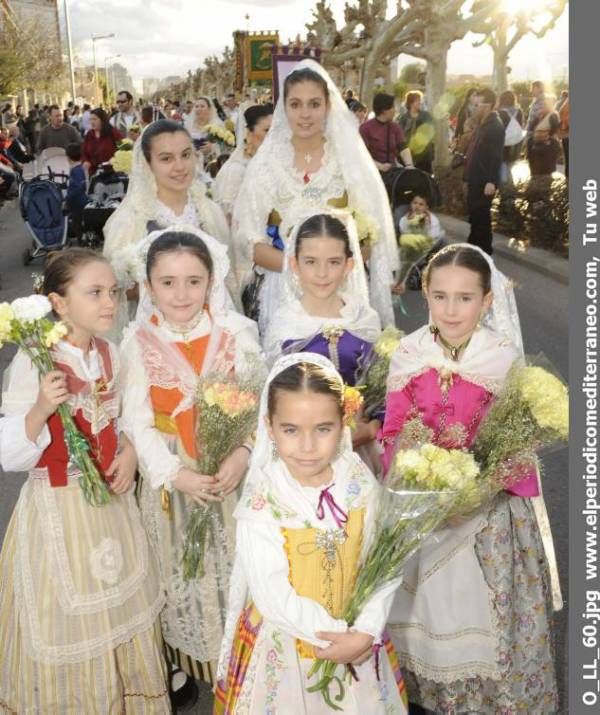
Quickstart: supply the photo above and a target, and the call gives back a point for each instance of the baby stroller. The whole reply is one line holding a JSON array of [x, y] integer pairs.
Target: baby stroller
[[40, 203], [408, 182], [53, 161], [106, 191]]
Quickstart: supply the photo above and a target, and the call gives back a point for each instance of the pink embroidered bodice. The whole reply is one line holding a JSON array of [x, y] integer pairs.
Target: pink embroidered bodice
[[454, 416]]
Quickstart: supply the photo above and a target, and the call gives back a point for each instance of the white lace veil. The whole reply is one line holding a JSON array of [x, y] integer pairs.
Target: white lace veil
[[361, 178], [503, 316], [220, 303], [292, 321], [262, 454], [142, 190], [355, 285]]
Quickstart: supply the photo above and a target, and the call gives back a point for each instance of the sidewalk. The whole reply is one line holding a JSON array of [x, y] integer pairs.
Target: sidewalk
[[536, 259]]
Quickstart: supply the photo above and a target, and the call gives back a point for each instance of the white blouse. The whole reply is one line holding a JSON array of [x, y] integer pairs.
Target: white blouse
[[157, 462], [21, 387]]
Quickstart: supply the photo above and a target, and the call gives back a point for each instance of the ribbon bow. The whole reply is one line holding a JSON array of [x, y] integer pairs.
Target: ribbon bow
[[325, 498]]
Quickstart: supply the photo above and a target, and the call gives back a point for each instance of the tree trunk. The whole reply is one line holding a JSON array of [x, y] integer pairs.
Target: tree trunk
[[368, 76], [500, 76], [435, 86]]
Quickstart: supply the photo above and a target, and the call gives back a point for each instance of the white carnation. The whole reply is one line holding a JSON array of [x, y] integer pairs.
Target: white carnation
[[34, 307]]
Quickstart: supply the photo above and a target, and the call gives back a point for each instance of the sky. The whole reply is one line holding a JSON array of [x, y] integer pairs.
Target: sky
[[157, 38]]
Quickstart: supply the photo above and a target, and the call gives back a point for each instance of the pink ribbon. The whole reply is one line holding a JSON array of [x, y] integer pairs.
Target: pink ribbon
[[336, 511]]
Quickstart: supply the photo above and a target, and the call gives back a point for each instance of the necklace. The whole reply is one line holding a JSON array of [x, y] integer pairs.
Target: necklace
[[307, 160], [184, 330], [455, 351]]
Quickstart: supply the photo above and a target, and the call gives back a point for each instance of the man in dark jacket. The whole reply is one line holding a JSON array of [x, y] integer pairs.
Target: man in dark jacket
[[484, 158]]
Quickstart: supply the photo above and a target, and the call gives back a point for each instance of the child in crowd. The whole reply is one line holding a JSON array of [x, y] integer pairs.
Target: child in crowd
[[302, 524], [471, 621], [184, 330], [77, 197], [79, 584], [419, 230]]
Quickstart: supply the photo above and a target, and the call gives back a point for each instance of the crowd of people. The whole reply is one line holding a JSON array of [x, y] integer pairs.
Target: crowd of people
[[272, 269]]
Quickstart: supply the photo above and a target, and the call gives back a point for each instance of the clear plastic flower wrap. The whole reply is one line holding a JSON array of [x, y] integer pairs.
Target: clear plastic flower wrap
[[409, 509]]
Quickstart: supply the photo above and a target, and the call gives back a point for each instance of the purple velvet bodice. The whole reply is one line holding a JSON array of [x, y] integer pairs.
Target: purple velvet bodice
[[351, 352]]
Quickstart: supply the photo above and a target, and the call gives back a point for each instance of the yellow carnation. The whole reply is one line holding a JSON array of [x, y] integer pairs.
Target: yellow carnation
[[209, 396], [417, 242], [57, 332], [122, 161], [366, 228], [387, 343], [547, 398], [6, 317]]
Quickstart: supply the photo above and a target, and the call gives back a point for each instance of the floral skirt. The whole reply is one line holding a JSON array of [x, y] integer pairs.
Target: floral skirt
[[510, 555], [92, 643], [268, 675], [194, 615]]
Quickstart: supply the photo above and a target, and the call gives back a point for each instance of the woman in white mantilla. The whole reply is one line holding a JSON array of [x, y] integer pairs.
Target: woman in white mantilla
[[312, 157], [184, 330], [162, 192]]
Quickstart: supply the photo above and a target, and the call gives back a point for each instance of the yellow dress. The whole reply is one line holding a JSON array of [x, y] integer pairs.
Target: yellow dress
[[268, 669]]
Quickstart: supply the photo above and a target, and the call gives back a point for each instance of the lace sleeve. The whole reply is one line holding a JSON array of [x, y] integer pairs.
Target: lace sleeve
[[252, 208]]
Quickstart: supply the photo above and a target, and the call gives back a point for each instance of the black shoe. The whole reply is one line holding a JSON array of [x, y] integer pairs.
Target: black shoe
[[186, 695]]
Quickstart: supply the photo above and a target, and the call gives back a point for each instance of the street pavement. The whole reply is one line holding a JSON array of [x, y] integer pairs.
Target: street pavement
[[542, 303]]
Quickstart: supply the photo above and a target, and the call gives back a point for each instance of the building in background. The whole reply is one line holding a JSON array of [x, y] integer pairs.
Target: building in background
[[120, 79], [150, 85]]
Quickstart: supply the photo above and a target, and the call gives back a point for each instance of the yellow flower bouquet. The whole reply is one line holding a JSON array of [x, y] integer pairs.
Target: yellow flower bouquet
[[423, 488], [366, 228], [122, 159], [413, 248], [530, 414], [216, 133], [227, 417], [24, 323], [373, 380]]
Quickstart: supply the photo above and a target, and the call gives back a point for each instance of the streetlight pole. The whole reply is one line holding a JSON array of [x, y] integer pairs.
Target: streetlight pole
[[107, 61], [70, 50], [94, 38]]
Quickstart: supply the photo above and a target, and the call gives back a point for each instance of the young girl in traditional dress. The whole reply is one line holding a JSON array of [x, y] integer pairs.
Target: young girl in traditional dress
[[472, 619], [302, 524], [79, 584], [325, 305], [184, 330]]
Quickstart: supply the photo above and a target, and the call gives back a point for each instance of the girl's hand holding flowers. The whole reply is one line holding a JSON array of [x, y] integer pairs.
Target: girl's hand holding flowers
[[348, 647], [200, 487], [232, 470], [53, 393]]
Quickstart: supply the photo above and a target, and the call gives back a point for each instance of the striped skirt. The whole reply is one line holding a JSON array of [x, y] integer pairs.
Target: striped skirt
[[126, 678], [267, 673]]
